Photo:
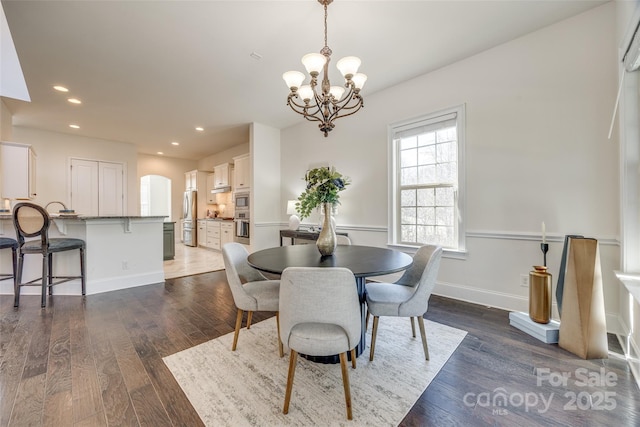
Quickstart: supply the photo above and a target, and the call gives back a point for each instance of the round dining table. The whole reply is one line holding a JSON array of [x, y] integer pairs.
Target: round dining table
[[363, 261]]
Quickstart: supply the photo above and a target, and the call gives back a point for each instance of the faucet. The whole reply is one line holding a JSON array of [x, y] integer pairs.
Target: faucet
[[51, 203]]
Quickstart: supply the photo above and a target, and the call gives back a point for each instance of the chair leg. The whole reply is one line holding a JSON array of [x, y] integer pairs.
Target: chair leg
[[413, 327], [424, 337], [237, 331], [353, 358], [83, 277], [345, 381], [293, 358], [280, 349], [374, 332], [18, 281], [366, 321], [50, 277], [249, 316], [45, 280]]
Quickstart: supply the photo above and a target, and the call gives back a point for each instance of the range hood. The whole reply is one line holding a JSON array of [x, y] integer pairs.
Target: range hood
[[219, 190]]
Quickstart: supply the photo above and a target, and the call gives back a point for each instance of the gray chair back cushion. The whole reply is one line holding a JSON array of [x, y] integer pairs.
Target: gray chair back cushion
[[322, 300], [238, 273], [428, 259]]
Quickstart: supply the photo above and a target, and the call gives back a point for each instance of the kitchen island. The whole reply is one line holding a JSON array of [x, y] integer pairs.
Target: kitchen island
[[122, 252]]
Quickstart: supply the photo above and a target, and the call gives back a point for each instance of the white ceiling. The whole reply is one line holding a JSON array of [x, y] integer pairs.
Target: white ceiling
[[148, 72]]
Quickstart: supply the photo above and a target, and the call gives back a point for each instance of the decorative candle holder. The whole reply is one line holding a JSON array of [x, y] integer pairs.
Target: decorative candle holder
[[545, 248], [540, 293]]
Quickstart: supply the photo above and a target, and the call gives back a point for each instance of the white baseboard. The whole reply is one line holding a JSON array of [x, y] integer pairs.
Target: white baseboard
[[504, 301]]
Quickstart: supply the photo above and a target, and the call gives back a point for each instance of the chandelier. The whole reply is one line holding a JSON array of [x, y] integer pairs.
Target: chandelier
[[325, 103]]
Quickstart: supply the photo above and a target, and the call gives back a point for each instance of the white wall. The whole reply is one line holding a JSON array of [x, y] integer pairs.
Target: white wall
[[173, 169], [266, 203], [537, 117], [226, 156], [52, 166]]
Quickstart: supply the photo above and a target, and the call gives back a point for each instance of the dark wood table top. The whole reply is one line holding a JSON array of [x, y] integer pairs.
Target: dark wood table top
[[361, 260]]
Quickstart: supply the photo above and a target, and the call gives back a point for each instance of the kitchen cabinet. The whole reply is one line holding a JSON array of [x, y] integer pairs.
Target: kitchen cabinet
[[242, 173], [197, 180], [201, 236], [191, 180], [213, 235], [18, 171], [168, 240], [211, 198], [221, 173], [226, 233]]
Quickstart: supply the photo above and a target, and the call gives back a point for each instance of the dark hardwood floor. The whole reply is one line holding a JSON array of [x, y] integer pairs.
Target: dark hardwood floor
[[98, 361]]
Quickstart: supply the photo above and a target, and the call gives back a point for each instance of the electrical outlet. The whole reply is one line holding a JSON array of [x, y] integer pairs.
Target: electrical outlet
[[524, 280]]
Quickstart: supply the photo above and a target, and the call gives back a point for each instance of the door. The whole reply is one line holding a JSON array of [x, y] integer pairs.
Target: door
[[110, 194], [97, 188], [84, 187]]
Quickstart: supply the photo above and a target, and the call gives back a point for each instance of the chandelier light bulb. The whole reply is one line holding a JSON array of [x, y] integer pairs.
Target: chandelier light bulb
[[314, 62], [337, 92], [348, 66], [305, 92], [358, 80], [293, 79]]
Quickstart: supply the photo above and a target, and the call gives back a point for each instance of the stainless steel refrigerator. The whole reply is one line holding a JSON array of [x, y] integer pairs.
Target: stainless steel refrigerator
[[189, 218]]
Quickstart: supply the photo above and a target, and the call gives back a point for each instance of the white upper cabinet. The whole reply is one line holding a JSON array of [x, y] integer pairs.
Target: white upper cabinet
[[211, 184], [191, 180], [221, 173], [242, 173], [18, 171]]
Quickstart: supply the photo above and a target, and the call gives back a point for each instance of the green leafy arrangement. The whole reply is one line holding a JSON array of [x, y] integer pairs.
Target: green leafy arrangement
[[323, 186]]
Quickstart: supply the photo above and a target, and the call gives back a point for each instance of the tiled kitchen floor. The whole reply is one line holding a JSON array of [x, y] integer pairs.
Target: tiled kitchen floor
[[190, 260]]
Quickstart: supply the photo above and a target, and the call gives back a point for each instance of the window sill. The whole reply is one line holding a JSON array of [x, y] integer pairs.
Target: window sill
[[446, 253]]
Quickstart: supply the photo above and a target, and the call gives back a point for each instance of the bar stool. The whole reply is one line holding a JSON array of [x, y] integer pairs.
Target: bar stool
[[31, 220], [7, 243]]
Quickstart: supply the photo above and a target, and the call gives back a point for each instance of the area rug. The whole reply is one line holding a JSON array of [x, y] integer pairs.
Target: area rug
[[246, 387]]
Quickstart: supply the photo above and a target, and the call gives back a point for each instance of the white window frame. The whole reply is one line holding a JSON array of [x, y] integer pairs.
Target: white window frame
[[394, 178]]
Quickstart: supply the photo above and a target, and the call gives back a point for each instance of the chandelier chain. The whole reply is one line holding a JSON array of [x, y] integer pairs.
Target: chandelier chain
[[325, 24]]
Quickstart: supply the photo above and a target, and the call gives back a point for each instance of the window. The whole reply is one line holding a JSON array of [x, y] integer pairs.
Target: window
[[427, 173]]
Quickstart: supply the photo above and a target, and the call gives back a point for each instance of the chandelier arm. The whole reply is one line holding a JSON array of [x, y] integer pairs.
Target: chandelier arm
[[345, 99], [304, 109], [337, 113], [305, 113]]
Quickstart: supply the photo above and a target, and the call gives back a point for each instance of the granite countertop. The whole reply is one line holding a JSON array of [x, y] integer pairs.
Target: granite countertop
[[218, 219]]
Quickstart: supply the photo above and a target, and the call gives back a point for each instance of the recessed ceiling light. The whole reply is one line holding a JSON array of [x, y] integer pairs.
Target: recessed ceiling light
[[74, 126], [61, 89], [175, 143], [160, 152], [74, 101], [199, 129]]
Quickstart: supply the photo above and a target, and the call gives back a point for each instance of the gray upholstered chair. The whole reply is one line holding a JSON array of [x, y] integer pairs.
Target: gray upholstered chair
[[342, 239], [8, 243], [251, 290], [407, 297], [320, 316], [32, 221]]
